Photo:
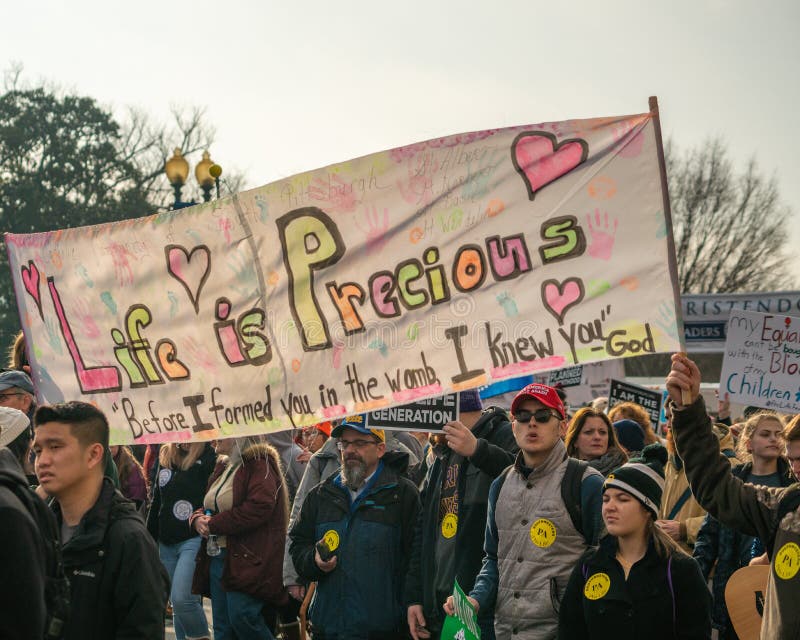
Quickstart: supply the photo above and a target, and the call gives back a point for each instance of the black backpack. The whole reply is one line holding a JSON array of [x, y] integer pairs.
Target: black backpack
[[57, 589]]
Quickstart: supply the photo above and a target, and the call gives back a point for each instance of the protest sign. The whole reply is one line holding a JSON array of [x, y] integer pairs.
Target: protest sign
[[569, 377], [407, 274], [650, 400], [424, 415], [464, 624], [705, 315], [761, 366]]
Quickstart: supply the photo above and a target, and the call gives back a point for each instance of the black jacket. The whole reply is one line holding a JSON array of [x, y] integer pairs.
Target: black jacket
[[661, 599], [496, 450], [361, 597], [22, 556], [118, 585], [176, 495]]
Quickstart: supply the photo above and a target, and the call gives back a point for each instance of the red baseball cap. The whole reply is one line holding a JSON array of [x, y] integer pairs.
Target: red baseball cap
[[541, 392]]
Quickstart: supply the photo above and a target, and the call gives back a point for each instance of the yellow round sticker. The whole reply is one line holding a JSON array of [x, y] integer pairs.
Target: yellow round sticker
[[449, 525], [543, 533], [787, 561], [597, 586], [331, 538]]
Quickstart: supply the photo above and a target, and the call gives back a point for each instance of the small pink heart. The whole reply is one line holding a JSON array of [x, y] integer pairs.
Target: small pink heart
[[190, 268], [30, 278], [540, 159], [558, 298]]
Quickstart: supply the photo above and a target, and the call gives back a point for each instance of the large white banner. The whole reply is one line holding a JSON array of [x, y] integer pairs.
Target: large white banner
[[406, 274]]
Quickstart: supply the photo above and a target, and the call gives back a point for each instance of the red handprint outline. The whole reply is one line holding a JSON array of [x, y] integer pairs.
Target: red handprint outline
[[375, 232]]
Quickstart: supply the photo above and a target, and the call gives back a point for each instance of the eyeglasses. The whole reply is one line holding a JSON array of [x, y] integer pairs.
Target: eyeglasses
[[540, 415], [342, 445], [5, 396]]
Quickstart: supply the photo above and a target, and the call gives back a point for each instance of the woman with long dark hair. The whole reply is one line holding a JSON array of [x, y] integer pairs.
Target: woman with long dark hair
[[637, 583]]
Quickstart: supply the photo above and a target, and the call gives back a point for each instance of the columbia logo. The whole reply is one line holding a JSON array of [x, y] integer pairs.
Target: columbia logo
[[86, 574]]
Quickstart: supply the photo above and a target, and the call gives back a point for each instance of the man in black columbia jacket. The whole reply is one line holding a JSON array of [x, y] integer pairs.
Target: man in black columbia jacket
[[118, 584], [449, 536]]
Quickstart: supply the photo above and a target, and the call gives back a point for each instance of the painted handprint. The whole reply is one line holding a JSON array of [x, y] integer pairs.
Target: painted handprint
[[108, 300], [53, 334], [173, 304], [84, 314], [122, 266], [263, 206], [380, 346], [508, 303], [198, 354], [338, 195], [375, 231], [666, 319], [602, 243], [476, 185], [245, 271], [418, 189], [84, 274], [338, 348], [225, 225]]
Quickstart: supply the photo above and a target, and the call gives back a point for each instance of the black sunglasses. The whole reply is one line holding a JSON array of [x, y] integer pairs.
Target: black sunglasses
[[540, 415]]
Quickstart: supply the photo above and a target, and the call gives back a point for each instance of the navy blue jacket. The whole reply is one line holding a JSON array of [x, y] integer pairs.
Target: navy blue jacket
[[361, 597]]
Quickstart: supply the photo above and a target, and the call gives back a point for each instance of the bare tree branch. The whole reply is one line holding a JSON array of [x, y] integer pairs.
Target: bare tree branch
[[730, 228]]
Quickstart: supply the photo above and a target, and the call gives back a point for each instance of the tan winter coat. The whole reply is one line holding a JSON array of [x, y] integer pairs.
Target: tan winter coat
[[691, 514]]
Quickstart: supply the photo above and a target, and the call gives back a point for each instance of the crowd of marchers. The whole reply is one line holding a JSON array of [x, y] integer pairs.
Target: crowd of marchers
[[556, 521]]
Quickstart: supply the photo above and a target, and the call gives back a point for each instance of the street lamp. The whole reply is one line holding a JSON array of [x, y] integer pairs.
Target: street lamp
[[207, 173]]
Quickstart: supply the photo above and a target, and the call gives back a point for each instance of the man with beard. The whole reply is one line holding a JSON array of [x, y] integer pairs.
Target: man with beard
[[354, 537]]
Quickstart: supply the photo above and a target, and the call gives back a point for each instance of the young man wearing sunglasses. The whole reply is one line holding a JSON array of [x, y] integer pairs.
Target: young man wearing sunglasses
[[353, 537], [533, 538]]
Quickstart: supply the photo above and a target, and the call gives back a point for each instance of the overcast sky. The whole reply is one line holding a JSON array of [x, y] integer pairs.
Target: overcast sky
[[292, 86]]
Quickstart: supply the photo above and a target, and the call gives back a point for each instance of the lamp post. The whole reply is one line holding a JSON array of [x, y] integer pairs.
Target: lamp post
[[207, 174]]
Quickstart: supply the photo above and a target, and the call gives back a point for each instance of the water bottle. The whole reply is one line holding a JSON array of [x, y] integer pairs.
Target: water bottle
[[212, 546]]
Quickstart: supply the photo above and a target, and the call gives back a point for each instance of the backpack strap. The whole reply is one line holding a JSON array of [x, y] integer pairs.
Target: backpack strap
[[571, 492], [679, 504]]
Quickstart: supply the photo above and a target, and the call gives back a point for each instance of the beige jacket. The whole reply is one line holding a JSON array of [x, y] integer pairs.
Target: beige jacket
[[690, 514]]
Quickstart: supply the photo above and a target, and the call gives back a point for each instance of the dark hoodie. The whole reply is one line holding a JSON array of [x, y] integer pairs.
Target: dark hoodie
[[22, 556]]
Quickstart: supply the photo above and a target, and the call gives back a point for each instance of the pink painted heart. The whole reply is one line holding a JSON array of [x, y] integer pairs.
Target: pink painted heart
[[31, 279], [190, 268], [540, 158], [559, 297]]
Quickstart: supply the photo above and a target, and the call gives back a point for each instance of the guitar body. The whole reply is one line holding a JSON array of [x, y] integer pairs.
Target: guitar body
[[745, 594]]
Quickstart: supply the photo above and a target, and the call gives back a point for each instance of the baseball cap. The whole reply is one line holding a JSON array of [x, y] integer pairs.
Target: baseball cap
[[12, 423], [17, 379], [324, 427], [541, 392], [358, 423]]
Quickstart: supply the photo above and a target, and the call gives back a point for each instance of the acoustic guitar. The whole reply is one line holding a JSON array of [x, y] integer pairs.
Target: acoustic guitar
[[745, 594]]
